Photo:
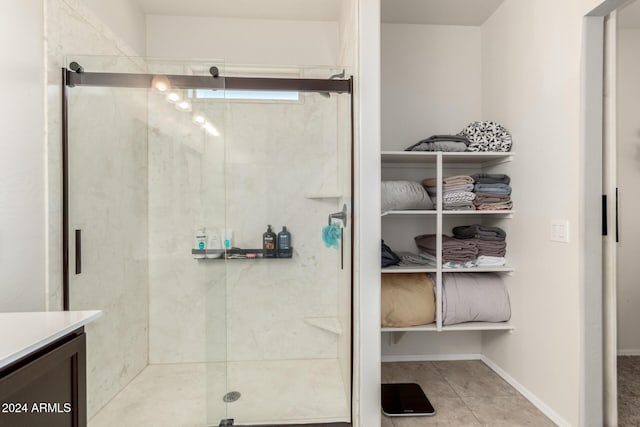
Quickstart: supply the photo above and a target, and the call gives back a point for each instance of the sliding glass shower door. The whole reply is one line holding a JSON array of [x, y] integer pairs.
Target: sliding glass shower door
[[171, 189]]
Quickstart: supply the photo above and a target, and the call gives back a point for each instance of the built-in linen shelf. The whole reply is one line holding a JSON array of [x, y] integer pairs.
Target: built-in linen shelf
[[497, 269], [483, 158], [419, 269], [431, 327], [408, 269], [329, 324], [503, 213], [479, 326], [469, 326], [329, 195], [410, 212]]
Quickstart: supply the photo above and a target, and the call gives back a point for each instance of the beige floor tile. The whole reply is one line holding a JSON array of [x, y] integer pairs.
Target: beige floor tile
[[473, 378], [450, 412], [424, 373], [506, 411], [386, 421]]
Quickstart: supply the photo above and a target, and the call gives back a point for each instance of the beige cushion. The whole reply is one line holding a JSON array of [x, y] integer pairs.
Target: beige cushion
[[407, 300]]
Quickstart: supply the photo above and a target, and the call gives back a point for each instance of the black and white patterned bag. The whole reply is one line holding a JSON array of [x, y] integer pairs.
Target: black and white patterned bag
[[487, 136]]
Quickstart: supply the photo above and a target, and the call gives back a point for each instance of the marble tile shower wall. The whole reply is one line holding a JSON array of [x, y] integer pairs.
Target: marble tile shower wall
[[108, 137], [257, 172]]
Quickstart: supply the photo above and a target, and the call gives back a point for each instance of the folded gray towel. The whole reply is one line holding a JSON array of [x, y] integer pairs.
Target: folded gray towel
[[453, 250], [441, 143], [446, 146], [493, 188], [491, 247], [479, 231], [491, 178]]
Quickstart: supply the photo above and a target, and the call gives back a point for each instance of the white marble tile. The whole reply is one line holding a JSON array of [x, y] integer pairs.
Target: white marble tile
[[190, 395], [287, 391], [160, 396]]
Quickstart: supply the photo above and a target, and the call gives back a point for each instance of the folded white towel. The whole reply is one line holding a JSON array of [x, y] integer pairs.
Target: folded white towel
[[491, 261]]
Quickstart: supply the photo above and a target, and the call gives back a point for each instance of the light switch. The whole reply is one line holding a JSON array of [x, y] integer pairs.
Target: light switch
[[560, 231]]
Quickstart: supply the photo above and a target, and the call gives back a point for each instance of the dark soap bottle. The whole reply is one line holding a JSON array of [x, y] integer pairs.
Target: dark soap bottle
[[284, 244], [269, 244]]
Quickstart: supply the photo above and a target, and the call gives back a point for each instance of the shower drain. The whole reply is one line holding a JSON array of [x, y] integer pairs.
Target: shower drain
[[232, 396]]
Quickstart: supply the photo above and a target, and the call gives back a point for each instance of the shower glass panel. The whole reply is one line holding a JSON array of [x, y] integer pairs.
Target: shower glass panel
[[194, 337]]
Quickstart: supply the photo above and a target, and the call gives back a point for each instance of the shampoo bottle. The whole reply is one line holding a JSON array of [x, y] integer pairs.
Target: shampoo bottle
[[269, 244], [284, 244], [200, 242]]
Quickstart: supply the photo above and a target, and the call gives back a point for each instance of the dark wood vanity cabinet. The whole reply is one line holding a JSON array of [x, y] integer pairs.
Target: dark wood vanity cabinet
[[46, 388]]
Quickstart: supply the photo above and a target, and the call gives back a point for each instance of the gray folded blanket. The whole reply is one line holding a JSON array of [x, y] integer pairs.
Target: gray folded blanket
[[480, 232], [441, 143], [491, 178], [474, 297], [493, 188]]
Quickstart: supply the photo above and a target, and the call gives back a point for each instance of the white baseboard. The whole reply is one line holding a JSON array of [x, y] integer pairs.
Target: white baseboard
[[535, 400], [430, 357], [629, 352]]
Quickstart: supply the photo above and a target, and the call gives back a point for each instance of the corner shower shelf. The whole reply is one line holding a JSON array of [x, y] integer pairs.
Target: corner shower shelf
[[230, 253], [329, 324], [323, 196]]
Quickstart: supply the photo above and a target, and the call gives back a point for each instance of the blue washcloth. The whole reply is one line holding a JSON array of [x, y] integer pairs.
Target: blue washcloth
[[331, 235]]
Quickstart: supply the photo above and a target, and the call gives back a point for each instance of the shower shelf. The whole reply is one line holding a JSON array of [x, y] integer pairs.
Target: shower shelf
[[230, 253]]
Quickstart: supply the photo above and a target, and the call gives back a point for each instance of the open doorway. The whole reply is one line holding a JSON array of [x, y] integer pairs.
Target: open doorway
[[627, 229]]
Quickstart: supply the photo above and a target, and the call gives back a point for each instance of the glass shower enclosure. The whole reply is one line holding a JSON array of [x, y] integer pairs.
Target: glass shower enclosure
[[173, 172]]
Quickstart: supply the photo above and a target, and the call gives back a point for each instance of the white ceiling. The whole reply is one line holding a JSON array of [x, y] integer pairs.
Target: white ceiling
[[438, 12], [296, 10], [629, 16]]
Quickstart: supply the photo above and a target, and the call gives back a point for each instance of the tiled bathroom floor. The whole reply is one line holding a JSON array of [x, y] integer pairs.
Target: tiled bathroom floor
[[463, 393], [280, 392]]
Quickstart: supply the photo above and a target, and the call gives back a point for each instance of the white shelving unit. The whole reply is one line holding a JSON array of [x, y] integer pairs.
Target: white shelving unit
[[422, 162]]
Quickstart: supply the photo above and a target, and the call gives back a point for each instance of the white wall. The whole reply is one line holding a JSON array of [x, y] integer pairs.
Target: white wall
[[432, 82], [243, 41], [123, 17], [531, 82], [22, 163], [628, 178]]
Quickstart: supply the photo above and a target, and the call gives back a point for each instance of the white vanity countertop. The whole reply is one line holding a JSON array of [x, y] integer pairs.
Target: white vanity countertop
[[24, 333]]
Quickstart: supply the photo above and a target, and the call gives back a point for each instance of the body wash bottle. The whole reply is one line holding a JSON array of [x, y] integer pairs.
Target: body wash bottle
[[284, 244]]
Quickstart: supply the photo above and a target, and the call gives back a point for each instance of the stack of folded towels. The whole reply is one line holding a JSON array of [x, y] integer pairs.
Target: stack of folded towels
[[472, 246], [490, 242], [492, 191], [457, 192], [455, 252]]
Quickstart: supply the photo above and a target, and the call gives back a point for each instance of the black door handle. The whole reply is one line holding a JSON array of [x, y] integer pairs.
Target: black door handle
[[617, 228], [78, 251]]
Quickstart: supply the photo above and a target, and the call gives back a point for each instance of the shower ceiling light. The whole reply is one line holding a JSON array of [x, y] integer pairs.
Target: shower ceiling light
[[173, 97], [160, 84], [183, 106], [211, 129], [199, 119]]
